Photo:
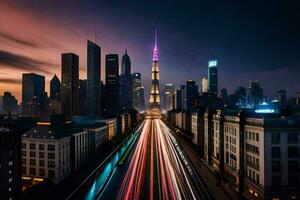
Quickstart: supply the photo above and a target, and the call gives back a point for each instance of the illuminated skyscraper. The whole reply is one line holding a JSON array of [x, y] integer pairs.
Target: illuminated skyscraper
[[69, 84], [138, 99], [204, 85], [168, 96], [213, 77], [154, 101], [93, 79]]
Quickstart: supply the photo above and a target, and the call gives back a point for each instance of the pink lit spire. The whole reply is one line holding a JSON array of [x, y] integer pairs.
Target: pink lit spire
[[155, 51]]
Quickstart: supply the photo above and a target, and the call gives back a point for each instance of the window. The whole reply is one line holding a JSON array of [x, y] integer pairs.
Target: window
[[275, 152], [23, 145], [275, 138], [41, 147], [41, 154], [276, 166], [51, 155], [24, 161], [32, 171], [276, 180], [51, 164], [32, 154], [51, 147], [32, 161], [42, 163], [292, 137], [293, 152], [32, 146], [51, 173], [293, 166], [24, 153], [42, 172], [257, 137]]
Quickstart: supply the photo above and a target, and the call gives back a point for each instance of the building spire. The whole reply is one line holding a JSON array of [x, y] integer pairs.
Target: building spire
[[126, 51], [155, 51]]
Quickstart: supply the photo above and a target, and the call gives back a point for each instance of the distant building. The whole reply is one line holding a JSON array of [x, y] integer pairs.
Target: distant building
[[191, 93], [204, 85], [69, 88], [138, 98], [282, 96], [255, 93], [168, 96], [224, 96], [82, 97], [298, 97], [33, 91], [126, 84], [10, 163], [10, 103], [180, 97], [213, 77], [93, 98], [112, 85], [55, 88]]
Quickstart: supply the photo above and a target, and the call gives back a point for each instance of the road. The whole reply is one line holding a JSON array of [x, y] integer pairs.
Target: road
[[155, 167]]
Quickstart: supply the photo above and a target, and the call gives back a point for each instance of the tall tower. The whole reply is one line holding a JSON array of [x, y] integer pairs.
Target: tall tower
[[154, 101], [213, 77], [93, 79], [69, 83]]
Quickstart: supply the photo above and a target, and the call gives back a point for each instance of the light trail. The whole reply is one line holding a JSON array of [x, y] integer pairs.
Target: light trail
[[170, 175]]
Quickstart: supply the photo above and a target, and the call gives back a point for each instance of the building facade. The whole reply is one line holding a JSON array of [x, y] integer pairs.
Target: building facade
[[69, 87], [93, 98], [112, 85]]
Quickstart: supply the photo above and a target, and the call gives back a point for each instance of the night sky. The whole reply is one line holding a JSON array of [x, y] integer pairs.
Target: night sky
[[250, 40]]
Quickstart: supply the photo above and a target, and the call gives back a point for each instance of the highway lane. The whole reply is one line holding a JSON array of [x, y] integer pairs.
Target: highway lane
[[156, 168]]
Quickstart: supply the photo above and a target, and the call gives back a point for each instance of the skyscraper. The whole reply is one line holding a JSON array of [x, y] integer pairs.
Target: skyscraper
[[69, 88], [191, 93], [10, 103], [93, 97], [82, 100], [168, 96], [125, 84], [180, 96], [282, 96], [138, 99], [33, 89], [55, 88], [112, 84], [154, 101], [204, 85], [213, 77], [255, 92]]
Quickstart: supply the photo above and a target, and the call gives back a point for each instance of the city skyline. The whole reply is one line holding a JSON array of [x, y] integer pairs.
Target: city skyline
[[38, 48]]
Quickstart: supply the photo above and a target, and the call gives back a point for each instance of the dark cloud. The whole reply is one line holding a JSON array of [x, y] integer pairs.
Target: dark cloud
[[22, 63], [11, 81], [18, 41]]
